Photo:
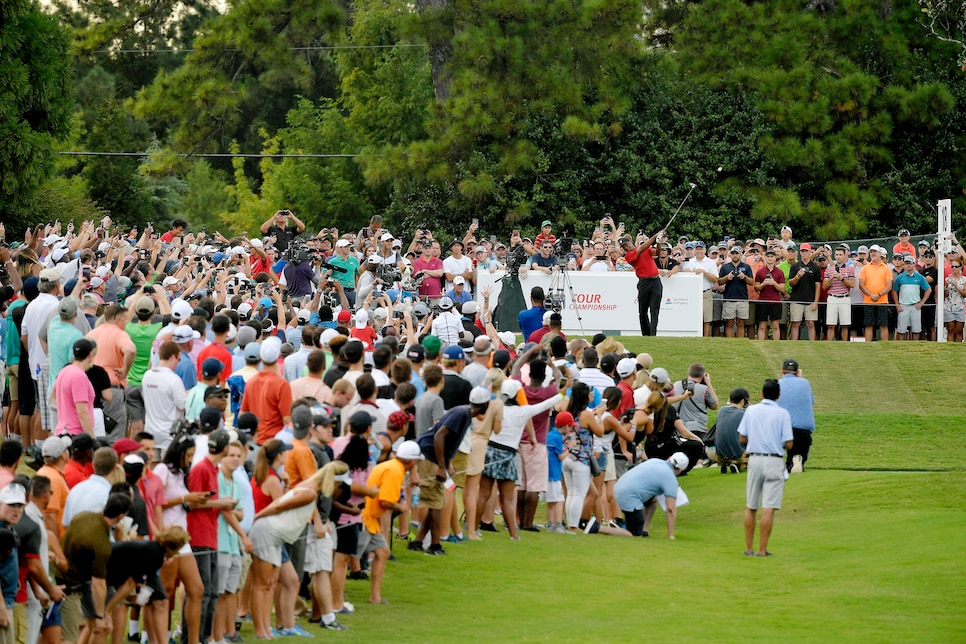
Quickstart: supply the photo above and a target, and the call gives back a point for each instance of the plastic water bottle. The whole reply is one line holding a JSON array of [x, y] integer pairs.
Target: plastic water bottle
[[415, 498]]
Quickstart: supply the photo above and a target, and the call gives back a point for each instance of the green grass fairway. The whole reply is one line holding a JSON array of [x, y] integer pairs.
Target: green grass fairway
[[870, 545]]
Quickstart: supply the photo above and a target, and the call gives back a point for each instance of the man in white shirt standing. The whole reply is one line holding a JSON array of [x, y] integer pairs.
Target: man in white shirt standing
[[457, 265], [35, 318], [707, 268], [766, 432], [164, 396]]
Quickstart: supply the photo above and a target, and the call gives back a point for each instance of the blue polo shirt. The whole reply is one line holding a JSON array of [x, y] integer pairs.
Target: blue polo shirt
[[531, 320], [643, 482], [797, 399]]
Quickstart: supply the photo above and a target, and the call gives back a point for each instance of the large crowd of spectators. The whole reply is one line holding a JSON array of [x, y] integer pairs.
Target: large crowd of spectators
[[240, 422]]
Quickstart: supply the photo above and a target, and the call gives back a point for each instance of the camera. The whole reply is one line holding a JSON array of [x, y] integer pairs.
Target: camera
[[689, 386]]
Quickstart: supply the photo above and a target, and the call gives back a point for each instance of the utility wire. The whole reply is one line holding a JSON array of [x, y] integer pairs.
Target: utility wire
[[308, 48], [213, 155]]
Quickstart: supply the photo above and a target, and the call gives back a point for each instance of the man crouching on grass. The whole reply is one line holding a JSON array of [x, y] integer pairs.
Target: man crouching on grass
[[766, 432]]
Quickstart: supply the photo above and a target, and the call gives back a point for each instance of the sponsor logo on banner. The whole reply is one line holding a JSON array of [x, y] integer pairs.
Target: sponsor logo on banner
[[591, 302], [671, 302]]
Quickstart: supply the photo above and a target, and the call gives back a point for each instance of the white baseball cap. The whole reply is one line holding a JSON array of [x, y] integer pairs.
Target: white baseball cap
[[409, 451]]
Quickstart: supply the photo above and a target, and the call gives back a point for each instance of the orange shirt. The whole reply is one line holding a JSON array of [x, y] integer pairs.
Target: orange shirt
[[907, 248], [268, 396], [876, 278], [58, 497], [300, 463], [111, 342], [388, 477]]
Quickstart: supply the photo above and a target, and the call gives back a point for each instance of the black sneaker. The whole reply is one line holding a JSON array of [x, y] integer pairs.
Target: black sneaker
[[487, 527], [361, 575], [531, 528], [592, 527], [134, 638], [415, 545], [336, 625], [435, 550], [724, 469], [735, 469], [582, 524]]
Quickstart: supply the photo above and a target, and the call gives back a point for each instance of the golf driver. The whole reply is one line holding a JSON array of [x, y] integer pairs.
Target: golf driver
[[693, 186]]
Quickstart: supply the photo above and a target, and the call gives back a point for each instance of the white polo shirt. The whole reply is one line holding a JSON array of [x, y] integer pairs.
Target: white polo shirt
[[164, 399], [35, 318]]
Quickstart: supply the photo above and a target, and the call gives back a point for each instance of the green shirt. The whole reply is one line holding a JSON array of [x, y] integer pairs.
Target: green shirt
[[61, 337], [143, 336], [351, 265], [13, 336], [784, 266]]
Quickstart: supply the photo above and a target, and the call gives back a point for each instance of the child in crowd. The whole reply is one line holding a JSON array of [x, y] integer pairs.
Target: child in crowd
[[554, 495]]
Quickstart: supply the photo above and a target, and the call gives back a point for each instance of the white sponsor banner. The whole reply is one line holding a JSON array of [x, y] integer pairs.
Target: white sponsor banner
[[607, 302]]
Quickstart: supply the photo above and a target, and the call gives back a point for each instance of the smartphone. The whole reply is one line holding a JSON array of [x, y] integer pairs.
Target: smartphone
[[516, 232], [476, 222], [211, 493]]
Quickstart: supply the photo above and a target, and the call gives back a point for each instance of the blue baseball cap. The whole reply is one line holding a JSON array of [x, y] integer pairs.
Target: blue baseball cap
[[699, 244], [454, 352], [689, 245]]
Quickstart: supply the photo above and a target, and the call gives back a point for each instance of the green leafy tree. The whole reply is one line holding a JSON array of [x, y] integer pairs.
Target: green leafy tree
[[495, 66], [35, 103], [114, 182], [837, 83]]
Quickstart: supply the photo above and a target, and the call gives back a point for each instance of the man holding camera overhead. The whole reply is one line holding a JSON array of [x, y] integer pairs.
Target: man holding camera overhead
[[284, 226]]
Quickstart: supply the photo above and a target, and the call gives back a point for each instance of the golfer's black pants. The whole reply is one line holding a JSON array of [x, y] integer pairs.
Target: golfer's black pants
[[801, 443], [649, 293]]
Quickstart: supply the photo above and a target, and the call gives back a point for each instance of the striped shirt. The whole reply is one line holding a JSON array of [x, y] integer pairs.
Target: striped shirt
[[838, 286]]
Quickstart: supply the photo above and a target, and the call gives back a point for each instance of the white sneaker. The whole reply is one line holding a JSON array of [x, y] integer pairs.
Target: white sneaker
[[797, 467]]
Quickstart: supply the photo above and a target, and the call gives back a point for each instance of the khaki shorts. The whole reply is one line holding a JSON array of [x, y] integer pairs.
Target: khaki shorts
[[20, 623], [13, 377], [318, 552], [766, 482], [735, 310], [610, 470], [708, 307], [799, 311], [839, 311], [70, 616], [534, 467], [460, 465], [431, 492]]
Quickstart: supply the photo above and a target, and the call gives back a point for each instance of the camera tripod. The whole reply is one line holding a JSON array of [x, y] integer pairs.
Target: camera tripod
[[559, 279]]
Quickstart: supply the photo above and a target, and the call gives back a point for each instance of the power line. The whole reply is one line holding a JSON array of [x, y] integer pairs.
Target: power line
[[308, 48], [213, 155]]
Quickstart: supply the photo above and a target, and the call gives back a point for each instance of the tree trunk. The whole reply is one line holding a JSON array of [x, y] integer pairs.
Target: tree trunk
[[436, 14]]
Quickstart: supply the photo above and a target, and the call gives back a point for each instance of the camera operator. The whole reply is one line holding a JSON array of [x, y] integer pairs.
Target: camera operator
[[699, 397], [300, 278]]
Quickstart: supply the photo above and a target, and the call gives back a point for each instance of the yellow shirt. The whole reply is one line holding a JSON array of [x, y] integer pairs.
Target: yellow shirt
[[388, 477]]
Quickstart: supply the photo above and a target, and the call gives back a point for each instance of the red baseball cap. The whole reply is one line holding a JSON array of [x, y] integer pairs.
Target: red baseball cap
[[344, 317], [126, 445], [564, 419]]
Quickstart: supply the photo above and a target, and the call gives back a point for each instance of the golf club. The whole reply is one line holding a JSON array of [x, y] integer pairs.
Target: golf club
[[693, 186]]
